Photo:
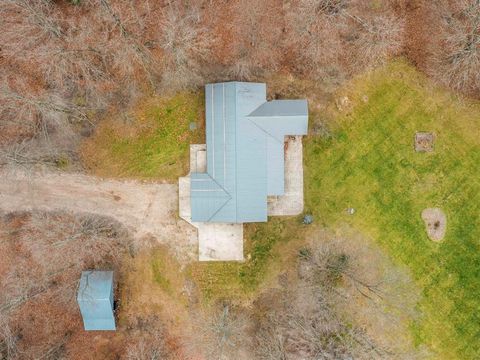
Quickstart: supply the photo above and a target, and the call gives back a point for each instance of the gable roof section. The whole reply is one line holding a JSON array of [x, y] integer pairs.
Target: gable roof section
[[209, 196], [281, 108], [245, 155], [251, 158], [279, 118]]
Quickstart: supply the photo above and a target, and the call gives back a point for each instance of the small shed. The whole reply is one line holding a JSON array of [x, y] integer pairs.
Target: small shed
[[95, 299]]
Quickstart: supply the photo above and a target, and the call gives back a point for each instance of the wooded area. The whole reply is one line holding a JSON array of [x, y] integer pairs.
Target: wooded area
[[65, 63]]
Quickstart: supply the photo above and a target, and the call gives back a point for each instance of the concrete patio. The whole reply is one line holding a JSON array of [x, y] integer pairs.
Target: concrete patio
[[291, 202]]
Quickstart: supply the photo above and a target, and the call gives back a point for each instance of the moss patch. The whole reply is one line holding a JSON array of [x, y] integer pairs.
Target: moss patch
[[158, 269]]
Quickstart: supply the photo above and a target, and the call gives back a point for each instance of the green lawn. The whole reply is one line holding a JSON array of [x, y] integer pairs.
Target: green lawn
[[369, 164], [152, 142]]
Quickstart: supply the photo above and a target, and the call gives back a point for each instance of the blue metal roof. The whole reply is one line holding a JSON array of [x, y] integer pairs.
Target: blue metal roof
[[95, 299], [245, 152]]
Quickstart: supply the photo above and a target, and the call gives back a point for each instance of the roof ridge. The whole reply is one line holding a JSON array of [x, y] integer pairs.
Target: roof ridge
[[235, 142], [221, 187], [269, 104], [251, 112]]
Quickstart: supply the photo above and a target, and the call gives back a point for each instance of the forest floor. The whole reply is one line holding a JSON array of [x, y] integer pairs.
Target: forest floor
[[148, 210]]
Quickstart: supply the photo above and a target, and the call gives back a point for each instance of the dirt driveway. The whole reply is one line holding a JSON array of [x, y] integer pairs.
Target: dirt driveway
[[147, 209]]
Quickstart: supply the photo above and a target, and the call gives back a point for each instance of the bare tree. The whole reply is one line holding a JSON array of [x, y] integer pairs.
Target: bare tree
[[39, 99], [8, 341], [78, 65], [221, 333], [334, 39], [46, 122], [151, 347], [30, 31], [46, 107], [256, 41], [81, 56], [376, 38], [25, 24], [315, 39], [456, 59], [127, 44], [185, 45], [306, 326]]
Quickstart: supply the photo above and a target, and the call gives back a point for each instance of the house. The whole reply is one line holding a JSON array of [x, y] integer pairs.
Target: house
[[247, 170], [245, 152]]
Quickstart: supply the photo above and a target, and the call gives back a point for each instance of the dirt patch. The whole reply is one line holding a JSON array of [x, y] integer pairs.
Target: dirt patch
[[435, 222], [148, 210], [424, 141]]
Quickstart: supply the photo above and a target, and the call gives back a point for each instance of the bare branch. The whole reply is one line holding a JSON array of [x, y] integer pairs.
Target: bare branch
[[185, 44]]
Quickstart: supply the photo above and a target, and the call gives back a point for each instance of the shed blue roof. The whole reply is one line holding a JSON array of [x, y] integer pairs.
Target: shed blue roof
[[95, 299], [245, 152]]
